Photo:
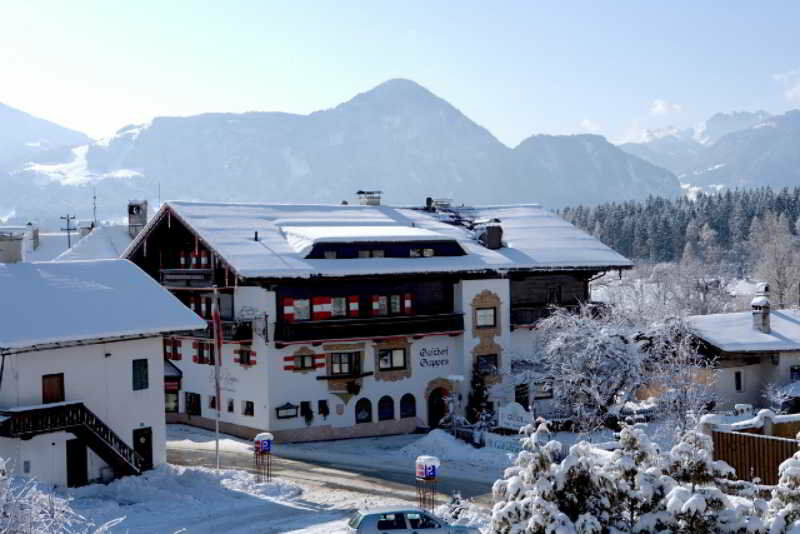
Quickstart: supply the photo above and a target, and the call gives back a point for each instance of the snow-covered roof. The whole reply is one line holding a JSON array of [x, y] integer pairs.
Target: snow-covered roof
[[103, 242], [734, 332], [535, 238], [58, 302]]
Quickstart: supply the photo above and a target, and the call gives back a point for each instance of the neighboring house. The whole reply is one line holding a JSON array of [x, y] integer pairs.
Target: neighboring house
[[357, 320], [82, 370], [753, 349], [106, 241]]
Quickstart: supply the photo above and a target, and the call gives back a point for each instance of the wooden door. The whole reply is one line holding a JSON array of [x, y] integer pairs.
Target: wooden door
[[53, 388], [76, 463], [143, 444]]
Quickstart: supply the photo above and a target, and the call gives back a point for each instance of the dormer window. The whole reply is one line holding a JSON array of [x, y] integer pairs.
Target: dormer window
[[378, 253], [330, 254], [363, 253]]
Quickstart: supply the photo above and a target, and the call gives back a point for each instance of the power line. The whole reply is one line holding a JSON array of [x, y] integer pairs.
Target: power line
[[69, 218]]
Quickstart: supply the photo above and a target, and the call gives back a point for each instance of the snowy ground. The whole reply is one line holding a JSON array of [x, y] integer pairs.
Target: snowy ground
[[458, 458]]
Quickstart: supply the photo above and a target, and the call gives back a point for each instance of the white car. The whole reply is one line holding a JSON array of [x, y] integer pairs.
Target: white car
[[402, 521]]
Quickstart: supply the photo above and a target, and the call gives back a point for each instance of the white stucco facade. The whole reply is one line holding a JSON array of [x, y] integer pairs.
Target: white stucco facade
[[100, 376]]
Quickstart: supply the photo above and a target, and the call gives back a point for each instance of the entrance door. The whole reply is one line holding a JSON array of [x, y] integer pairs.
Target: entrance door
[[143, 444], [76, 463], [437, 407], [53, 388]]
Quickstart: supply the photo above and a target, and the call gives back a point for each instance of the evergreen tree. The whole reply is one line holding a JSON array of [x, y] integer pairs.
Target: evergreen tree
[[478, 398]]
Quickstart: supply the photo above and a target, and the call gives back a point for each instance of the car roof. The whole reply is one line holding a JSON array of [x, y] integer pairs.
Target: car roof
[[390, 510]]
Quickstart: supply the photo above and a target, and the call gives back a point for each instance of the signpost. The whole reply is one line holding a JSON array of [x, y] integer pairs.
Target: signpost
[[427, 471], [512, 416], [262, 455]]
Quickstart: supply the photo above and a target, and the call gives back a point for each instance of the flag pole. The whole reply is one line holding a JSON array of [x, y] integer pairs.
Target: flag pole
[[217, 327]]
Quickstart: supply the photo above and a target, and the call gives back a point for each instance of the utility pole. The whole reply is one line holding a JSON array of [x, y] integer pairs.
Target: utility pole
[[94, 205], [69, 218]]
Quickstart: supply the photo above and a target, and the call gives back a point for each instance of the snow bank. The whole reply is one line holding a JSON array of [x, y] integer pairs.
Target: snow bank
[[449, 449], [171, 497]]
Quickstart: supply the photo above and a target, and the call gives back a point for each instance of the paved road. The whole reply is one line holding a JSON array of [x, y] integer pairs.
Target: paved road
[[367, 480]]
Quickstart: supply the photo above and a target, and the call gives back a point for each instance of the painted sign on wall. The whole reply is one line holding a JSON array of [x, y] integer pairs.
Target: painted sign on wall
[[434, 357]]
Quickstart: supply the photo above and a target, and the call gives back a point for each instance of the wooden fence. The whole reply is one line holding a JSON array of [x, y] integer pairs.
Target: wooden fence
[[753, 455]]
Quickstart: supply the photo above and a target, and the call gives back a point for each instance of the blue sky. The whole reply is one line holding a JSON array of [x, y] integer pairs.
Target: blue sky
[[517, 68]]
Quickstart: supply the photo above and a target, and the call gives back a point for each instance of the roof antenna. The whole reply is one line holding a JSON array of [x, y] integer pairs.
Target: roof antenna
[[94, 205], [255, 238]]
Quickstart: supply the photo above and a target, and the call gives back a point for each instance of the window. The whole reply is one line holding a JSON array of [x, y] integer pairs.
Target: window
[[205, 353], [381, 305], [408, 406], [339, 307], [322, 408], [427, 252], [330, 254], [364, 411], [420, 521], [389, 359], [378, 253], [794, 373], [391, 522], [737, 380], [521, 394], [230, 405], [543, 390], [485, 318], [305, 410], [248, 408], [385, 409], [396, 304], [302, 309], [415, 252], [303, 361], [212, 402], [192, 403], [363, 253], [171, 402], [140, 380], [487, 364], [245, 355], [344, 363]]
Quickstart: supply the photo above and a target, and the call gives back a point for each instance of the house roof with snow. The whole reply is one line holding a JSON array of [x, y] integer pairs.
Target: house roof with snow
[[534, 238], [734, 332], [103, 242], [63, 302]]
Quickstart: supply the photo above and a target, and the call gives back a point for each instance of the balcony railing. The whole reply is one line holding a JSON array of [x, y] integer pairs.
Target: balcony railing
[[526, 316], [231, 331], [186, 277], [368, 327]]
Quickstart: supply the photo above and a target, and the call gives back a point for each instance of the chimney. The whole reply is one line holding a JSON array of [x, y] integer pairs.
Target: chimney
[[10, 247], [369, 198], [137, 216], [761, 307]]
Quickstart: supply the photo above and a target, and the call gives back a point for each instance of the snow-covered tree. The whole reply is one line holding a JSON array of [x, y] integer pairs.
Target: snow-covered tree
[[776, 396], [774, 250], [593, 363], [478, 397], [784, 507], [25, 509]]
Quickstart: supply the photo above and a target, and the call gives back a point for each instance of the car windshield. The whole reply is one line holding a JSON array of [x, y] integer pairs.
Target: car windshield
[[355, 520]]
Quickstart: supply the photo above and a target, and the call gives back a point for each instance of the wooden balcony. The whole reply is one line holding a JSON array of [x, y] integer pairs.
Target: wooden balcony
[[367, 327], [186, 277], [231, 331]]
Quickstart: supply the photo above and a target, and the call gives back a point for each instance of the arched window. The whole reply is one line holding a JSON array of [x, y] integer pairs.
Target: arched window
[[408, 406], [385, 408], [364, 411]]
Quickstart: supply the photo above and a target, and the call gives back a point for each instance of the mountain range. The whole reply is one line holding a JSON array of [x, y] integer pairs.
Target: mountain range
[[398, 137], [741, 149]]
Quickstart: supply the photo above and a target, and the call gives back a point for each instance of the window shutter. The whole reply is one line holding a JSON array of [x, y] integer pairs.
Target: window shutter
[[321, 308], [204, 259], [288, 309], [177, 349], [375, 305], [196, 352], [182, 259], [409, 304], [167, 349], [353, 305]]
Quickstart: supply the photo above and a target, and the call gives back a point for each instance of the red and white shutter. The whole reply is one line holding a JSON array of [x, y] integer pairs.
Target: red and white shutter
[[167, 348], [376, 305], [252, 355], [352, 304], [195, 259], [408, 304], [204, 259], [177, 349], [196, 351], [182, 259], [288, 309], [322, 308]]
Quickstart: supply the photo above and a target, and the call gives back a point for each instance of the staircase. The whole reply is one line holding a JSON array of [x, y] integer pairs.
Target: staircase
[[74, 417]]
